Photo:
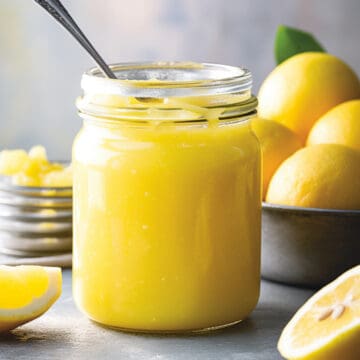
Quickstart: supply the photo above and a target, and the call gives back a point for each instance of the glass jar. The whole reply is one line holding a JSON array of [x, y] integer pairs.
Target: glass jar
[[167, 203]]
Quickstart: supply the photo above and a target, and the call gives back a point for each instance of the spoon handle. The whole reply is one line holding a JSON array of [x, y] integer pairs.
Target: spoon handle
[[57, 10]]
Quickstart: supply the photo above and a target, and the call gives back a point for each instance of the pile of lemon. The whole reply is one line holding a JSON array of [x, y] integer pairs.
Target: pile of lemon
[[309, 130]]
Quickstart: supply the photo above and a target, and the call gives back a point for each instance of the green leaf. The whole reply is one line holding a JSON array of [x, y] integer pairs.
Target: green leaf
[[290, 41]]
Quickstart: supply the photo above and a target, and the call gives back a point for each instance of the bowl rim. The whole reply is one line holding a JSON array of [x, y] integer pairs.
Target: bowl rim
[[34, 189], [304, 210]]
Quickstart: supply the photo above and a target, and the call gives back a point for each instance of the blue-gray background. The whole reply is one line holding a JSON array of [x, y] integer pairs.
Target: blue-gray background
[[40, 65]]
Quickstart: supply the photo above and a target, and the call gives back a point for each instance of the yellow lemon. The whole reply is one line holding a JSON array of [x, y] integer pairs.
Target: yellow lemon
[[321, 176], [340, 125], [327, 327], [304, 87], [277, 144], [26, 292]]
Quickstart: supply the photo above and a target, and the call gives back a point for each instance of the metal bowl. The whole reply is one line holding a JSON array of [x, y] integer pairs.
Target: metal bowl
[[34, 220], [307, 246], [13, 257], [37, 191], [22, 201], [29, 246], [32, 214], [34, 228]]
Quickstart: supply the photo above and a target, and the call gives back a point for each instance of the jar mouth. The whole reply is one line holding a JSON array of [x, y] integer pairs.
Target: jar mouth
[[168, 79]]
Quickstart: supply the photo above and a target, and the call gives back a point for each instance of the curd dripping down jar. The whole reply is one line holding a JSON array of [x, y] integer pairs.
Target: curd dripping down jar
[[167, 199]]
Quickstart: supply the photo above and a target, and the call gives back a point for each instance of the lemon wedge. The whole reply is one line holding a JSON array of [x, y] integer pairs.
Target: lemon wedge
[[327, 326], [26, 292]]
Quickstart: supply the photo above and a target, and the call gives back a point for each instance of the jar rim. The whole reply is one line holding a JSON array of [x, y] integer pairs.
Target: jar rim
[[166, 79]]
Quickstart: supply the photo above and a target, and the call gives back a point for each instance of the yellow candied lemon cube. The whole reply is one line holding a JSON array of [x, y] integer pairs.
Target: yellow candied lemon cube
[[59, 178], [12, 161], [38, 163], [22, 179], [33, 168], [38, 153]]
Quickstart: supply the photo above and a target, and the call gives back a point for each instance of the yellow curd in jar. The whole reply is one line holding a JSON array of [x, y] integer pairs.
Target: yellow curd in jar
[[166, 212]]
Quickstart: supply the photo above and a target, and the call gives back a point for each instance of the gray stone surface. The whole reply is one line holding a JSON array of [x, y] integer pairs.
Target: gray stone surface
[[64, 333]]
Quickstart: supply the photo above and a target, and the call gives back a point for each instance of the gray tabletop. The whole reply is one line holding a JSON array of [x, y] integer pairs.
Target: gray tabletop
[[64, 333]]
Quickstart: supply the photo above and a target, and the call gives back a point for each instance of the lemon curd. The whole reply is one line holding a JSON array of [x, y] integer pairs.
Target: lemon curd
[[167, 199]]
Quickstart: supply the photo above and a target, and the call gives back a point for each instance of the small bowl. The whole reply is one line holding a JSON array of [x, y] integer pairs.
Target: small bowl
[[308, 246], [34, 220]]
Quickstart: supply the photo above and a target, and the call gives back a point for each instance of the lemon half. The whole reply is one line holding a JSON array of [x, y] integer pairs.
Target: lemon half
[[26, 292], [327, 327]]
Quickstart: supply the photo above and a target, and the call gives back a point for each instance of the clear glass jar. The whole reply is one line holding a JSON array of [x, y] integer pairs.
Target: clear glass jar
[[167, 203]]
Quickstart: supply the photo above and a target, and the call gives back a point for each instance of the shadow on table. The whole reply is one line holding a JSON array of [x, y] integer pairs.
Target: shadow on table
[[31, 336], [258, 334]]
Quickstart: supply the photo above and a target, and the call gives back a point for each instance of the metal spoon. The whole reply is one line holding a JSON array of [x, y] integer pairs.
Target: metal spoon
[[57, 10]]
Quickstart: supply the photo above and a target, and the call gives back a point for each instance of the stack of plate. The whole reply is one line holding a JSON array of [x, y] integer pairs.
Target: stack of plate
[[35, 221]]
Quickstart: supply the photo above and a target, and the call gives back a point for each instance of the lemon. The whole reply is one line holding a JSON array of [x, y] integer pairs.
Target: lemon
[[301, 89], [277, 144], [26, 292], [327, 327], [340, 125], [320, 176]]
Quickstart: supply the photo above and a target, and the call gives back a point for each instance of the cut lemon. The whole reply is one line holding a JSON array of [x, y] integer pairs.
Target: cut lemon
[[327, 327], [26, 292]]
